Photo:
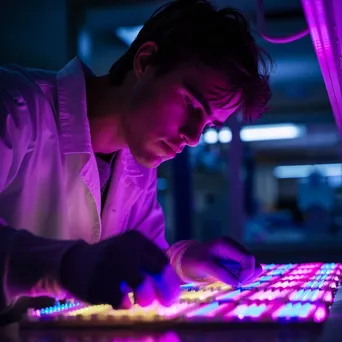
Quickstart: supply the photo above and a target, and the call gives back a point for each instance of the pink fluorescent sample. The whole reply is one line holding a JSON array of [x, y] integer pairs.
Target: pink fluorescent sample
[[174, 310], [233, 296], [287, 284], [247, 311], [203, 311], [320, 314], [219, 310], [283, 293], [270, 294], [328, 297]]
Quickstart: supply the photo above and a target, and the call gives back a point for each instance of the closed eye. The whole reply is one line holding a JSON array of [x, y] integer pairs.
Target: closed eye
[[216, 124], [191, 107]]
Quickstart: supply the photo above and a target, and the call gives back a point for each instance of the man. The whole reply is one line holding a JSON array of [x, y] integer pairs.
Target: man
[[78, 155]]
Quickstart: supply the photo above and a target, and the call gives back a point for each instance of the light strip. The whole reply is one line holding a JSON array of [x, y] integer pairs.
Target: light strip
[[257, 133], [300, 171], [271, 132]]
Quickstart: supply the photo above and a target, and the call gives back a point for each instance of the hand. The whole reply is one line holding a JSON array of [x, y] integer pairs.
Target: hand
[[217, 260], [105, 272]]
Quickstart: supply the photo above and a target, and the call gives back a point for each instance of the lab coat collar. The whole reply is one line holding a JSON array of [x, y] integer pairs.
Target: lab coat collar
[[131, 166], [74, 123], [72, 106]]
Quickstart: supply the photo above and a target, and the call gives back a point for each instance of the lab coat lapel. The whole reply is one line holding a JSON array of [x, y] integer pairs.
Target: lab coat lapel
[[124, 190], [75, 132]]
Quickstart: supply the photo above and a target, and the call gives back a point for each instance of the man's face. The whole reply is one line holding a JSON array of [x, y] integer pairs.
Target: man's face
[[169, 111]]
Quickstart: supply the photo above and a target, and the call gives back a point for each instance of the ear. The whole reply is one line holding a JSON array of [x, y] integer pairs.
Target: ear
[[143, 58]]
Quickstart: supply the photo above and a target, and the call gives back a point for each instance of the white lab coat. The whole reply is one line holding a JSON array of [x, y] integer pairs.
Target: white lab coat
[[49, 180]]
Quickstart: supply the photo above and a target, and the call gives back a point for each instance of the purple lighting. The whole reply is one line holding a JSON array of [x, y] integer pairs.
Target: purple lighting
[[320, 314], [324, 21], [289, 293]]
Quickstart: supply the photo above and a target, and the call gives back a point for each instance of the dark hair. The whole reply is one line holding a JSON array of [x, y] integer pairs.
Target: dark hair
[[187, 30]]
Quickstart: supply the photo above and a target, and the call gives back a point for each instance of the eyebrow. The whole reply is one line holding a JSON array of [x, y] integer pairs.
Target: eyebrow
[[198, 96], [201, 99]]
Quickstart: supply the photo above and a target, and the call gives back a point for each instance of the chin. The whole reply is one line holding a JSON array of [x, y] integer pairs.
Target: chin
[[150, 163]]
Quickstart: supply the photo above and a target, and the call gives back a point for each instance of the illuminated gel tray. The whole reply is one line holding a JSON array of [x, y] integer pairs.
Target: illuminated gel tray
[[291, 293]]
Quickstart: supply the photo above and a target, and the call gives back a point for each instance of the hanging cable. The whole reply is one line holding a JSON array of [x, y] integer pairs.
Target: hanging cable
[[275, 40]]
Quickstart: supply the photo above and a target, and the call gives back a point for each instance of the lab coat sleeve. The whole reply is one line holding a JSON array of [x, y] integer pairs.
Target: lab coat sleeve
[[152, 225], [27, 261]]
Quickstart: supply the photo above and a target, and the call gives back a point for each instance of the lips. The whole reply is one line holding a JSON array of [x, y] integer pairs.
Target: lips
[[178, 149], [168, 149], [174, 149]]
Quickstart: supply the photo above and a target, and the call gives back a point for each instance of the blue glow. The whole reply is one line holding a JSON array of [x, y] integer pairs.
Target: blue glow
[[272, 132], [268, 267], [304, 311], [298, 295], [281, 270], [128, 34], [84, 45], [256, 133], [162, 184], [250, 286], [276, 272], [57, 308], [286, 311], [255, 310], [230, 295], [295, 309], [205, 310], [265, 278], [187, 286], [316, 284], [301, 171], [312, 296], [307, 295]]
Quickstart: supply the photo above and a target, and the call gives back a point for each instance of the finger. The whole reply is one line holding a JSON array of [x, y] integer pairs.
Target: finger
[[247, 268], [257, 273], [167, 286], [119, 299], [145, 294], [133, 282], [219, 272], [258, 270], [232, 266], [228, 249], [126, 302]]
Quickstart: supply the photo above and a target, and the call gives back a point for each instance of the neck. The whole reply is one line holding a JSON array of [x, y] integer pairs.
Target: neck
[[105, 113]]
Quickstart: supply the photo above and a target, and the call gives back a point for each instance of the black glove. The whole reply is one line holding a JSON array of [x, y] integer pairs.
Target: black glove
[[105, 272]]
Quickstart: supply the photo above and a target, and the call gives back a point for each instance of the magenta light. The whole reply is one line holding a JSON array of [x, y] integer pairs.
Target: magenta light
[[328, 297], [324, 21], [288, 293], [219, 310], [320, 315]]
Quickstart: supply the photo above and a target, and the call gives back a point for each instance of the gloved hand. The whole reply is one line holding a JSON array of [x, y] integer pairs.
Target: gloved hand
[[217, 260], [106, 271]]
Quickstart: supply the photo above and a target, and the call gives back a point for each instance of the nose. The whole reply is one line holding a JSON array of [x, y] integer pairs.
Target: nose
[[192, 135]]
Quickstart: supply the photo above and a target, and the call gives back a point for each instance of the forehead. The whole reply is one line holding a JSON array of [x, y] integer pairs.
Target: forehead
[[211, 84]]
